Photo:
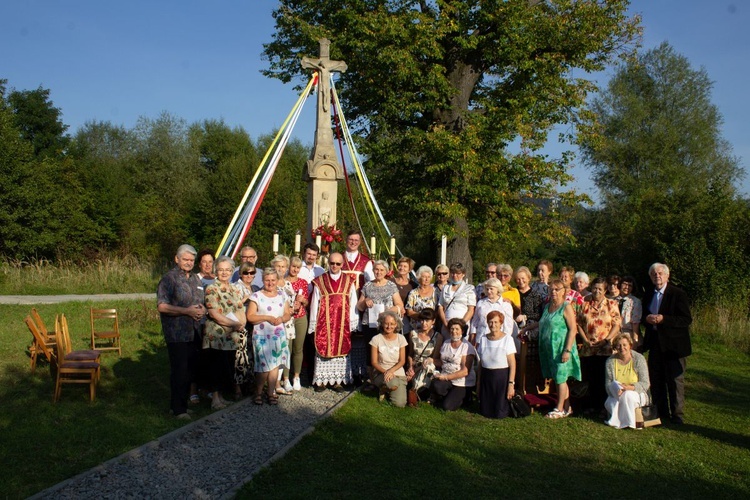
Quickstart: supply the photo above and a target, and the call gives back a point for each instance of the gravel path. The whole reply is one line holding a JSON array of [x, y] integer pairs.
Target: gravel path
[[56, 299], [209, 458]]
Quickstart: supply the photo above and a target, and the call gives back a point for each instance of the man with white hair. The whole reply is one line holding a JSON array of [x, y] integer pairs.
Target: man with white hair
[[666, 315], [179, 299]]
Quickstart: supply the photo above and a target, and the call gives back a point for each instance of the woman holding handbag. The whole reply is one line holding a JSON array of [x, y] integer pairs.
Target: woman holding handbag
[[424, 343]]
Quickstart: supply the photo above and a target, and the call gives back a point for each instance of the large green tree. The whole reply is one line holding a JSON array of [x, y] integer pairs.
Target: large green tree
[[438, 90], [39, 121], [43, 203], [666, 176]]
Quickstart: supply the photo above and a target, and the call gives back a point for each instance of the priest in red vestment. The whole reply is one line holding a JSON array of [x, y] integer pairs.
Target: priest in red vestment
[[333, 316]]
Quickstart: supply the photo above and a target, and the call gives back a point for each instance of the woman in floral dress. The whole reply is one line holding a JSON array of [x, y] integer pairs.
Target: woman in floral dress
[[268, 311]]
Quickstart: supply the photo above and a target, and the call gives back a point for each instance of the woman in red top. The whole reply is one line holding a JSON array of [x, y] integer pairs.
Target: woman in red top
[[302, 299]]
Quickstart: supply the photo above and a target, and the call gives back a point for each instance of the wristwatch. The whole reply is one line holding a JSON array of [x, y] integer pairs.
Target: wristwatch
[[512, 382]]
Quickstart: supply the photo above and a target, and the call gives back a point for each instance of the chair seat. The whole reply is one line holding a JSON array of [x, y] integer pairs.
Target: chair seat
[[86, 355], [106, 335], [78, 365]]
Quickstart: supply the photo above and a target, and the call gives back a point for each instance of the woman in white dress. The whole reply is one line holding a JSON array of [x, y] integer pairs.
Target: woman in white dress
[[267, 312]]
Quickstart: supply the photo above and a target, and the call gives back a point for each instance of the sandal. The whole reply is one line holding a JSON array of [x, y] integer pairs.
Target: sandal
[[258, 399], [273, 399], [218, 406], [195, 399]]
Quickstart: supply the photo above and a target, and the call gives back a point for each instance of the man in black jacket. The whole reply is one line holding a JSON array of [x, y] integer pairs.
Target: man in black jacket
[[667, 318]]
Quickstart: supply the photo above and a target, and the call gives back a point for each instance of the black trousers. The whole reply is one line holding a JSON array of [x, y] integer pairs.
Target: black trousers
[[452, 395], [593, 371], [183, 358], [667, 374]]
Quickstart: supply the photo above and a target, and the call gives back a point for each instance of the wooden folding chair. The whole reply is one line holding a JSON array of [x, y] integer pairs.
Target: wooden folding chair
[[39, 344], [50, 336], [109, 337], [70, 371], [61, 325]]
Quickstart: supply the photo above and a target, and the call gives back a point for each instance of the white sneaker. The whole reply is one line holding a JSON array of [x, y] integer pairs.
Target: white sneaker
[[287, 386], [297, 386]]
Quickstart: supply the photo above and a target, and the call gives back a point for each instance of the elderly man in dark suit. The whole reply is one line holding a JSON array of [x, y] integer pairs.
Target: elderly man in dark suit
[[666, 315]]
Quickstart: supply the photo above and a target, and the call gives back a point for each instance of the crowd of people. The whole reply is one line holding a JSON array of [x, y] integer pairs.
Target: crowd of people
[[425, 334]]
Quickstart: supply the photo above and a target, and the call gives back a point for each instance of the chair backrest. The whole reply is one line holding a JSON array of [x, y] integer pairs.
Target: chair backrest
[[97, 314], [38, 338], [64, 337], [40, 323]]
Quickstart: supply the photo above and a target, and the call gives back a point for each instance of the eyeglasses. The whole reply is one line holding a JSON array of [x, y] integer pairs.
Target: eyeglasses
[[442, 274], [505, 275], [335, 263], [490, 273], [252, 273], [248, 257]]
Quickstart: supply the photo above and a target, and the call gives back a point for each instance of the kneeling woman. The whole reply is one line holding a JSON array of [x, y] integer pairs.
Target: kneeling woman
[[496, 352], [388, 354], [456, 363], [627, 383]]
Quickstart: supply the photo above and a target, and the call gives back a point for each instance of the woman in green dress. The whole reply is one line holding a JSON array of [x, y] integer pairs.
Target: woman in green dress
[[559, 359]]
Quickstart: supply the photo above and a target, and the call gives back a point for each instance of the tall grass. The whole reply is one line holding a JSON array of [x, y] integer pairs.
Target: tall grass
[[722, 324], [107, 274]]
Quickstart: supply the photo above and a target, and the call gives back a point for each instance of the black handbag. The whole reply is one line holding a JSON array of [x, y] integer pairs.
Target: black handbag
[[519, 407]]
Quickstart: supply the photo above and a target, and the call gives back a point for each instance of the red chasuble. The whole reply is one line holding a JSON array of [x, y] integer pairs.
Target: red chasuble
[[356, 269], [332, 335]]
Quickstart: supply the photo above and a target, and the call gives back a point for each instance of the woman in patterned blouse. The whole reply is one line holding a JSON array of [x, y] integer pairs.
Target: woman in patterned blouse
[[226, 318], [598, 324]]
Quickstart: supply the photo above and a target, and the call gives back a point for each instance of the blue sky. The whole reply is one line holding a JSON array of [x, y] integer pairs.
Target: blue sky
[[117, 61]]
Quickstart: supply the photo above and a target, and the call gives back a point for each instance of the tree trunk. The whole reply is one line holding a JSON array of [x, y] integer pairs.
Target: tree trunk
[[458, 247]]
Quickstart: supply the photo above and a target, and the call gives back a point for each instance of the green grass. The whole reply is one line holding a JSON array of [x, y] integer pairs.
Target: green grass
[[104, 275], [368, 449], [44, 443]]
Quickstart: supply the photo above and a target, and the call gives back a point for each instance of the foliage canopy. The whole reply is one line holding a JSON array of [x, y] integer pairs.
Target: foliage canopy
[[666, 176], [440, 90]]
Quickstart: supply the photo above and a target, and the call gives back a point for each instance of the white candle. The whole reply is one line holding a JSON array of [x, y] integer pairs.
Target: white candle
[[393, 245], [443, 249], [372, 245], [318, 239], [275, 242], [297, 242]]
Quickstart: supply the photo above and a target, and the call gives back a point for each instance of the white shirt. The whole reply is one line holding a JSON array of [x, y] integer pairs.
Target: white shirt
[[309, 274], [314, 303], [464, 297], [478, 325], [494, 353], [451, 358]]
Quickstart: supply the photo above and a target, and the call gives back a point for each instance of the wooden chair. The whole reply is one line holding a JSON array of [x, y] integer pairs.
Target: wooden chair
[[110, 336], [61, 326], [70, 371], [50, 336], [39, 344]]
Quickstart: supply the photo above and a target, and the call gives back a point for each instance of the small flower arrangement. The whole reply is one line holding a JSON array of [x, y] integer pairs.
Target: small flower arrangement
[[329, 234]]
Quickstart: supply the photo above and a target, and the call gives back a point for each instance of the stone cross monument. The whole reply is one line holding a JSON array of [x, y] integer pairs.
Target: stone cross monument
[[323, 170]]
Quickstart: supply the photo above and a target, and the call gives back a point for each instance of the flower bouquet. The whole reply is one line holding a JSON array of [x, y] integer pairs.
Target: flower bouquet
[[328, 234]]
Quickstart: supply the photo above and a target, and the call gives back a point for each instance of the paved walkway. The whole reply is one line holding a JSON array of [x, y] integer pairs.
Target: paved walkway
[[56, 299]]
